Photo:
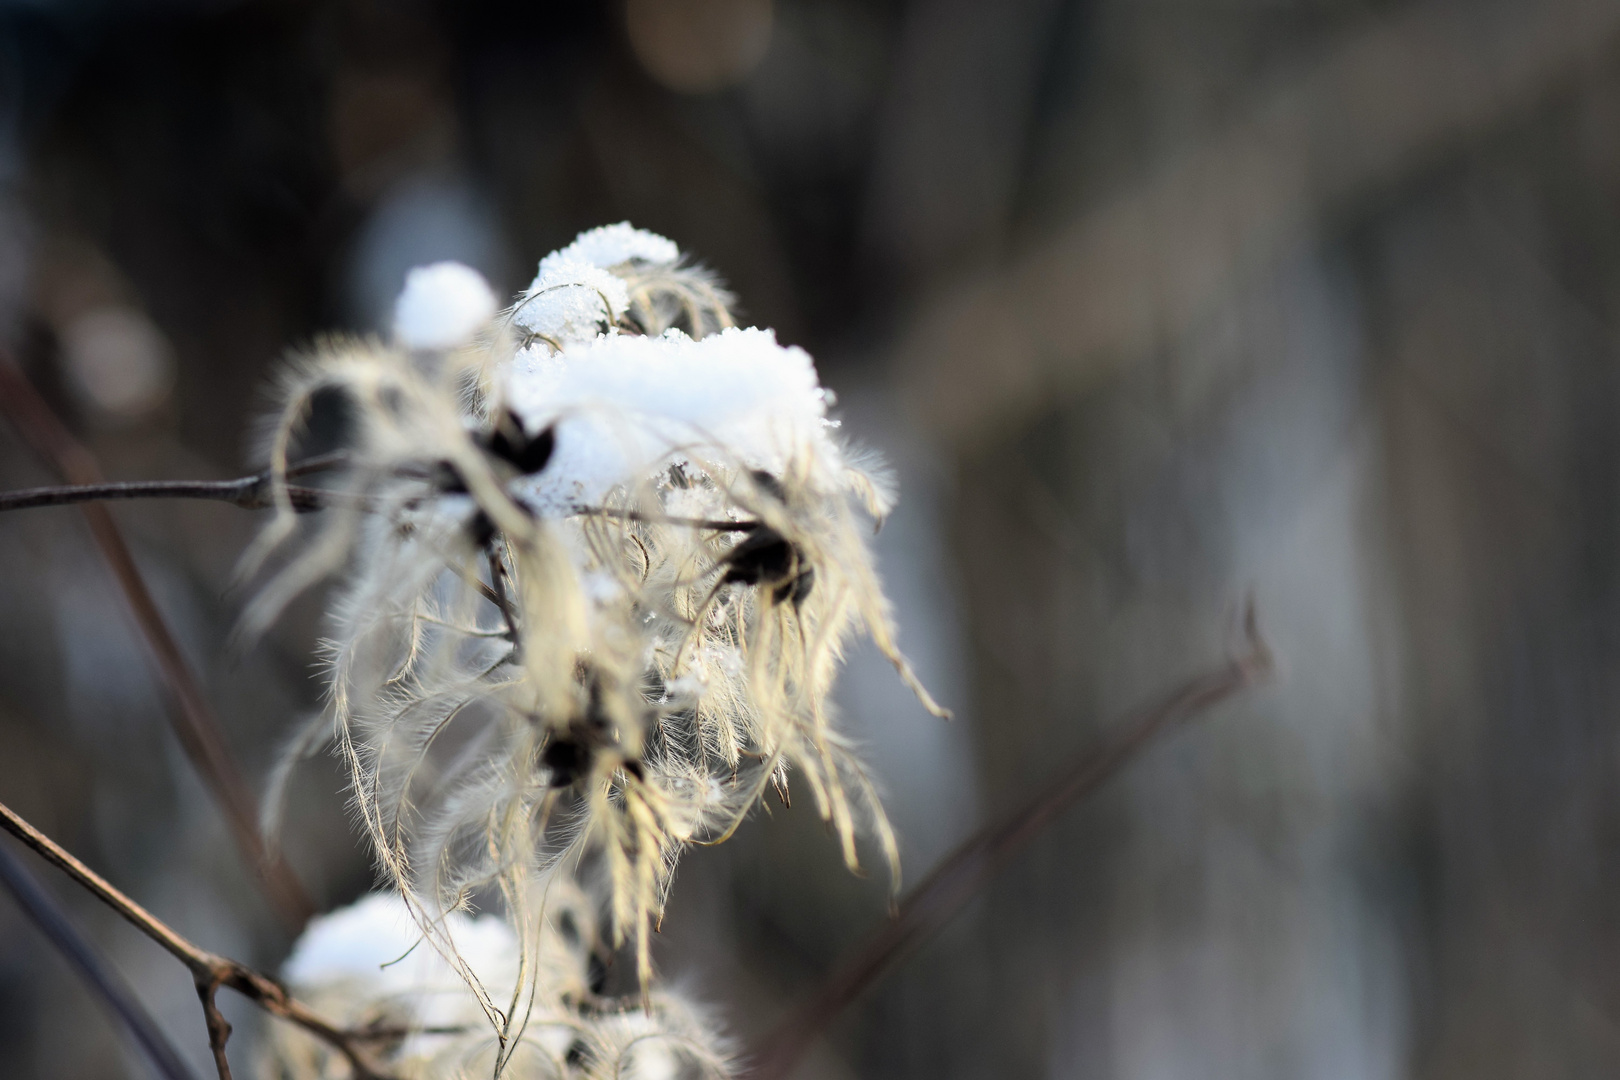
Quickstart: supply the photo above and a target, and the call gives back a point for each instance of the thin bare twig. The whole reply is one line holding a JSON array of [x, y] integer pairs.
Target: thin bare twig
[[248, 492], [255, 493], [209, 971], [954, 881], [191, 717], [40, 906]]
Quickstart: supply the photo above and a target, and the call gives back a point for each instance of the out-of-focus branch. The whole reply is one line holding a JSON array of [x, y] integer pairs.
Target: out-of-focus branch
[[193, 720], [248, 492], [55, 924], [210, 971], [1134, 274], [954, 881]]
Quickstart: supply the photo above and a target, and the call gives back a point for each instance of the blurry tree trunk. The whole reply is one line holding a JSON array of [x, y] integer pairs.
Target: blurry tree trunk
[[1384, 400]]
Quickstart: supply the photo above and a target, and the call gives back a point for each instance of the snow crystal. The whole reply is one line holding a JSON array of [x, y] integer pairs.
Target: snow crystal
[[573, 294], [570, 301]]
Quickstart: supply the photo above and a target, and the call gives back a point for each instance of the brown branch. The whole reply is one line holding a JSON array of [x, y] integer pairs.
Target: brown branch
[[954, 881], [191, 717], [209, 971], [248, 492]]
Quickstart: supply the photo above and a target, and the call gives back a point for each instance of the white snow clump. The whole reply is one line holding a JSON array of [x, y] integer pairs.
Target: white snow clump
[[442, 306], [573, 296], [621, 403]]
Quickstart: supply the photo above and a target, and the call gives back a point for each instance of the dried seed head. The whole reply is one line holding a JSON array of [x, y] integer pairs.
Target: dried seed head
[[598, 599]]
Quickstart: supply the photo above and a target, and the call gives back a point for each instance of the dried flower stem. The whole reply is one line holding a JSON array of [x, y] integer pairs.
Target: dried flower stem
[[193, 720], [954, 881], [47, 914], [209, 970]]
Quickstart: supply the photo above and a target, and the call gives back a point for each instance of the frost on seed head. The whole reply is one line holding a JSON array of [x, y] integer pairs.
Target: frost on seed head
[[592, 601], [443, 305], [618, 277], [574, 296], [570, 301]]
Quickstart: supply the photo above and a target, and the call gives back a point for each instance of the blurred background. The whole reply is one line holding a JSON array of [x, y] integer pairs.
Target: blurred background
[[1154, 305]]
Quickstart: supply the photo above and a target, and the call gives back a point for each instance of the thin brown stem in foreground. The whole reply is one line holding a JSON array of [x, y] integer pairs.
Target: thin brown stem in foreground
[[954, 881], [209, 971], [193, 720]]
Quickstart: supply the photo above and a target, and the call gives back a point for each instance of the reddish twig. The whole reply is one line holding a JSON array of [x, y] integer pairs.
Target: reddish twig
[[193, 720], [954, 881], [209, 971]]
